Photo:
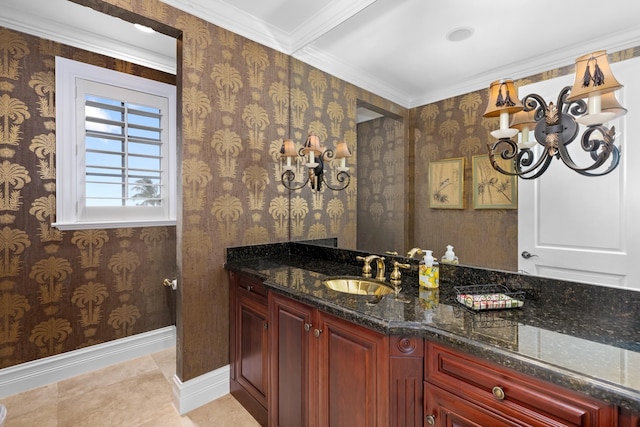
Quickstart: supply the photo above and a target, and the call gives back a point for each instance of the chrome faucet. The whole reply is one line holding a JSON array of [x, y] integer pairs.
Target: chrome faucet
[[366, 268]]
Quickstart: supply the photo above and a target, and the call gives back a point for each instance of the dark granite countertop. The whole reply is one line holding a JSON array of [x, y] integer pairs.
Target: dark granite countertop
[[582, 337]]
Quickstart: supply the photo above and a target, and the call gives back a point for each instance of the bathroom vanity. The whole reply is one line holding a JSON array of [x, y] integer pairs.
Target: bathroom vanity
[[302, 354]]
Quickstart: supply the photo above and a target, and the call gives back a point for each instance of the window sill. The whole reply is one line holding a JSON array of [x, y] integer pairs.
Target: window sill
[[112, 224]]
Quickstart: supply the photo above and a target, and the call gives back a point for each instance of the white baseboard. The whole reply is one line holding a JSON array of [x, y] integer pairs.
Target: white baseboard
[[201, 390], [37, 373]]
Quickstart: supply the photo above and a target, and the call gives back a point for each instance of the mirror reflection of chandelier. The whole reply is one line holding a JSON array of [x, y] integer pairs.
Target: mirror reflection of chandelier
[[316, 157], [556, 125]]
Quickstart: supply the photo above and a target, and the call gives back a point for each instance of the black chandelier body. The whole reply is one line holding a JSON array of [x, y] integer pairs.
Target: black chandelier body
[[556, 127], [316, 174]]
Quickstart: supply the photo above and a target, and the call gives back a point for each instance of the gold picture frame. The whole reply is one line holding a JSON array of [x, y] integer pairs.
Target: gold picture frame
[[446, 184], [492, 189]]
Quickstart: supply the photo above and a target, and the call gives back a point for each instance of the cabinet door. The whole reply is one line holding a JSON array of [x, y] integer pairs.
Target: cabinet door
[[248, 344], [444, 409], [514, 396], [353, 372], [290, 382], [251, 350]]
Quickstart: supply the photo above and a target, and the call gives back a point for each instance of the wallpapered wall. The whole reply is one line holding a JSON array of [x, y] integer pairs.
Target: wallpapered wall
[[382, 186], [60, 291], [239, 100], [454, 128]]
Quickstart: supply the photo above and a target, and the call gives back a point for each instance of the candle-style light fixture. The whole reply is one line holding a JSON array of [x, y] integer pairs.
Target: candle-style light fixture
[[316, 156], [556, 125]]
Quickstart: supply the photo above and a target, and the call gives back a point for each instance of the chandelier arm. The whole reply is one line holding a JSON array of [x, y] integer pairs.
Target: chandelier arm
[[341, 176], [328, 154], [605, 146], [520, 158], [615, 160], [533, 101], [287, 178], [539, 168]]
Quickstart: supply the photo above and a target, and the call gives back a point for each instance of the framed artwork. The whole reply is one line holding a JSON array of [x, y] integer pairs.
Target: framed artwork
[[446, 184], [491, 189]]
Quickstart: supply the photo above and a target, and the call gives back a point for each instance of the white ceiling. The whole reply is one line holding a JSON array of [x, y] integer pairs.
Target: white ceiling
[[397, 49]]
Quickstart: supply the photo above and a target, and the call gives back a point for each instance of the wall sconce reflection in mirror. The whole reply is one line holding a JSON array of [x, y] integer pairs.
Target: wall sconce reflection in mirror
[[316, 157], [556, 125]]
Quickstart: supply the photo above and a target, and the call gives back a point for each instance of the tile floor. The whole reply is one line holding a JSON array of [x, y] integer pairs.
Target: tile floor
[[134, 393]]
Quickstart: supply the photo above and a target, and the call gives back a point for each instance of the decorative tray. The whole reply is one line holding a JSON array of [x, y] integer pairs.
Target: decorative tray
[[489, 297]]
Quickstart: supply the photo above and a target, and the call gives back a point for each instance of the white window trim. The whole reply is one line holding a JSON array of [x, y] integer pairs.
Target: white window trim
[[68, 174]]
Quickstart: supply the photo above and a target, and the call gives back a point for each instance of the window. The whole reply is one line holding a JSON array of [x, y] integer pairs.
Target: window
[[115, 149]]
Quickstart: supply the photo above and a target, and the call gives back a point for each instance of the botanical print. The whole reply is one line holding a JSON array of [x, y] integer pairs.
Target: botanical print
[[446, 179], [491, 189]]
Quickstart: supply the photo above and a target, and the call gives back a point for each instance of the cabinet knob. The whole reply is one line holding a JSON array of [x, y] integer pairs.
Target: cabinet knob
[[265, 325], [430, 419], [307, 327], [317, 332], [498, 393], [249, 288]]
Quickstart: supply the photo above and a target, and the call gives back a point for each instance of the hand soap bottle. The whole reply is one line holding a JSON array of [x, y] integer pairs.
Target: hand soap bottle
[[450, 256], [428, 274]]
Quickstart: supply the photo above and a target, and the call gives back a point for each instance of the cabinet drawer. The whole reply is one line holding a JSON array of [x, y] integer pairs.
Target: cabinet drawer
[[512, 394], [251, 285]]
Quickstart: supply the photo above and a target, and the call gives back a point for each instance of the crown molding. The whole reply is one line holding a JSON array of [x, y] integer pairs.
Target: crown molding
[[76, 37], [356, 76], [333, 14], [236, 20], [534, 65]]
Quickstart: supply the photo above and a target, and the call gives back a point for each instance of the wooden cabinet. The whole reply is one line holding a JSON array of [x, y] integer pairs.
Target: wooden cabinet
[[249, 344], [629, 418], [325, 371], [296, 366], [462, 390], [406, 376]]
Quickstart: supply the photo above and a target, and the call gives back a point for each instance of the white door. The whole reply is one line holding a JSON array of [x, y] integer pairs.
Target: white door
[[580, 228]]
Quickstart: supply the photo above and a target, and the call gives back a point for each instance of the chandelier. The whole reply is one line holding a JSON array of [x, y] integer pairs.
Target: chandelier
[[316, 157], [557, 125]]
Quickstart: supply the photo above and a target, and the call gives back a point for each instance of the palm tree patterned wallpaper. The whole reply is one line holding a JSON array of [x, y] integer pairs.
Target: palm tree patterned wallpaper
[[382, 198], [61, 291]]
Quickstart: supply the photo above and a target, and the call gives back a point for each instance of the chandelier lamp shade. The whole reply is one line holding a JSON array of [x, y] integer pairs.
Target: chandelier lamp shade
[[315, 157], [590, 102]]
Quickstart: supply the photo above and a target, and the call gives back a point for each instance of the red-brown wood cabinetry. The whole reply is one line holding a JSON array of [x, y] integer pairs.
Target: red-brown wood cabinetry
[[249, 344], [293, 365], [325, 371], [467, 391]]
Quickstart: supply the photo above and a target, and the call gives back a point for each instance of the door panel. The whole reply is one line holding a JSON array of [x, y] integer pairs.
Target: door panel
[[582, 228]]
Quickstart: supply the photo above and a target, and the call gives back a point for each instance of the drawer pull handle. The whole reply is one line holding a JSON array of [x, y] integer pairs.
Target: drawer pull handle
[[249, 288], [317, 332], [498, 393], [430, 419], [307, 327]]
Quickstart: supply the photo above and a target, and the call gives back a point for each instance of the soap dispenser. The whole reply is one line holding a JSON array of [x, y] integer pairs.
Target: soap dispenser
[[450, 256], [428, 274]]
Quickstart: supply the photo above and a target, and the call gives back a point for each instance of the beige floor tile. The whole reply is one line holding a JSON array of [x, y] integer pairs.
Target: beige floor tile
[[45, 416], [166, 360], [131, 394], [126, 403], [82, 384], [19, 405], [225, 411]]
